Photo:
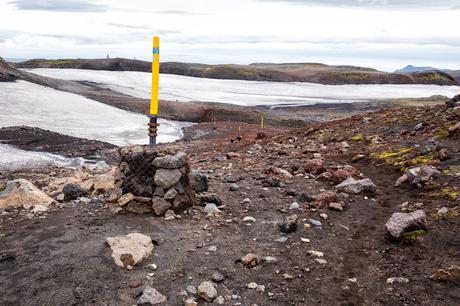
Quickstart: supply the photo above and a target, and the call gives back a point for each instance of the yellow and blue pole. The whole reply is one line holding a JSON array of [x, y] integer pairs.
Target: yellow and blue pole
[[153, 113]]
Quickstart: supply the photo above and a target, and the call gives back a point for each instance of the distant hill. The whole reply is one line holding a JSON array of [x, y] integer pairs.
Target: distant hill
[[455, 74], [292, 72], [411, 68]]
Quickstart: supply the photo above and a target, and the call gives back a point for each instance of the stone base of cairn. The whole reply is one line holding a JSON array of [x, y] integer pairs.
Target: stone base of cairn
[[153, 180]]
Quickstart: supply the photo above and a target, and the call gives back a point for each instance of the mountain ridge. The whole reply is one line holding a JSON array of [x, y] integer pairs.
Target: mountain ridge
[[285, 72]]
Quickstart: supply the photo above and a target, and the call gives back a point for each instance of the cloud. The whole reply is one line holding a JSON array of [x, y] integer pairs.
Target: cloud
[[59, 5], [178, 12], [414, 4], [129, 26]]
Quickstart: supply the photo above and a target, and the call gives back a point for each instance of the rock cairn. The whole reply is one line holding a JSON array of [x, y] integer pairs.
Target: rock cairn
[[153, 180]]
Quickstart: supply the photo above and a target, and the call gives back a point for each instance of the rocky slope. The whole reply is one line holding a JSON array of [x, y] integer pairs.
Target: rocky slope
[[295, 72], [299, 217]]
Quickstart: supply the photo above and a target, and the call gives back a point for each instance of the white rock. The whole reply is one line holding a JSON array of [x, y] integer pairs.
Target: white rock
[[151, 296], [260, 288], [350, 185], [220, 300], [22, 193], [131, 249], [393, 280], [443, 211], [294, 206], [315, 253], [305, 240], [249, 219], [39, 209], [190, 302], [252, 285], [211, 209], [270, 259], [207, 291]]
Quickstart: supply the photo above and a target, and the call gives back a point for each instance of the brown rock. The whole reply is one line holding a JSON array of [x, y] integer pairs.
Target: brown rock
[[326, 197], [250, 260], [335, 206], [451, 274], [342, 174], [314, 166], [160, 206]]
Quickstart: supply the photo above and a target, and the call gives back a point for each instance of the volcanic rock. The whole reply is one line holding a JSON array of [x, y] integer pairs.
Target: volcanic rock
[[353, 186], [400, 223]]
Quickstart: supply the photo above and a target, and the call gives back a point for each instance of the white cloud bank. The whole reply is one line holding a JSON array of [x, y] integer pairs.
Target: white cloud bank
[[383, 34]]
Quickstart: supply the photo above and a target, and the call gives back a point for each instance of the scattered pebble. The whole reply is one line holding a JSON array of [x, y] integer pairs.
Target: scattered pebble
[[393, 280], [315, 222], [252, 285], [315, 253]]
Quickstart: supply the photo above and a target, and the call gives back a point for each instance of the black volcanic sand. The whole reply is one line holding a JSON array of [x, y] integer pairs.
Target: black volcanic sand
[[35, 139]]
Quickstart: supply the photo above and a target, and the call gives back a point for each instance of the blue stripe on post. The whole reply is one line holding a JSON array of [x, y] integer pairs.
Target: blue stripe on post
[[156, 51]]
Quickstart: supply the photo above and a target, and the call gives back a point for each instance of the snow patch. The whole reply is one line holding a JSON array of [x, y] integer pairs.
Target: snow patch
[[24, 103], [185, 89]]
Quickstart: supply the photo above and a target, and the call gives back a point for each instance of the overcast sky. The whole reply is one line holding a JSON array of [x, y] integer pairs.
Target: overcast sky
[[385, 34]]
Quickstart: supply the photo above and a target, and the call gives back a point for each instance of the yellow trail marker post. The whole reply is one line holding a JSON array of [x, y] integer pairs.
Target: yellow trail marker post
[[153, 114], [262, 121]]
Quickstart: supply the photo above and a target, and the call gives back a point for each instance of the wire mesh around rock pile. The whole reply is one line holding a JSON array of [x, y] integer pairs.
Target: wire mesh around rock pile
[[153, 179]]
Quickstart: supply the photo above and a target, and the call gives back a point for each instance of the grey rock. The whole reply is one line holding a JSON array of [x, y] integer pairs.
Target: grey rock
[[282, 239], [151, 296], [73, 192], [217, 277], [231, 179], [166, 178], [234, 187], [350, 185], [191, 289], [400, 223], [418, 175], [171, 161], [271, 181], [289, 224], [430, 146], [305, 197], [159, 192], [199, 181], [419, 126], [171, 194], [294, 206], [160, 206]]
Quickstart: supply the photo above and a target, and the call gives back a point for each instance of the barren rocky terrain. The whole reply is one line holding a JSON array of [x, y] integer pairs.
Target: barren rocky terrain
[[292, 216]]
